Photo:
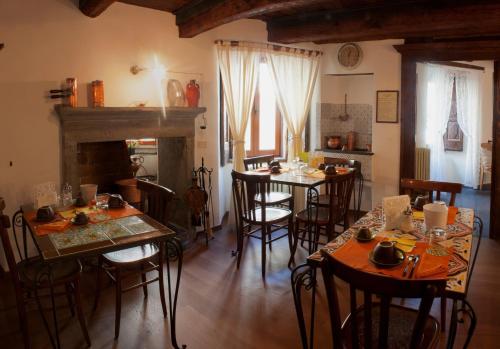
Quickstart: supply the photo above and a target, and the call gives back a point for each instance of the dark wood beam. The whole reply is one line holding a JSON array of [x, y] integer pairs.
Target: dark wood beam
[[459, 65], [202, 15], [451, 51], [429, 20], [495, 166], [94, 8]]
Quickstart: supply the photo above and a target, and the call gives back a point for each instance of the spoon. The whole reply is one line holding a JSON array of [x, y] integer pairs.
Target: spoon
[[411, 257]]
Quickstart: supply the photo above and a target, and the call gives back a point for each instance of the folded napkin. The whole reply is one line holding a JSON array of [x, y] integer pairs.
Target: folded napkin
[[407, 245], [57, 226], [432, 266], [419, 215]]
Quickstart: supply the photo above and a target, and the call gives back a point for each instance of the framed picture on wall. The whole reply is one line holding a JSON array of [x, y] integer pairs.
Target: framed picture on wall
[[387, 106]]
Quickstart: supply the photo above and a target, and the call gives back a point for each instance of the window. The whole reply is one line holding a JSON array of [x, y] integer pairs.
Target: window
[[264, 133], [453, 138]]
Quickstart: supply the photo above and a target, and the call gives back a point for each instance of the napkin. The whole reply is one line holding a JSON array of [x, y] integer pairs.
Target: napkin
[[431, 266], [55, 226], [419, 215]]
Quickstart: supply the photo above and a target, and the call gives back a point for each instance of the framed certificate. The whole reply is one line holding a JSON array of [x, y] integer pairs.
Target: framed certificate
[[387, 106]]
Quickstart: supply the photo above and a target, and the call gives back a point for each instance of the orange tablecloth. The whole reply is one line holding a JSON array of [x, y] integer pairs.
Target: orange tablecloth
[[356, 254], [60, 225]]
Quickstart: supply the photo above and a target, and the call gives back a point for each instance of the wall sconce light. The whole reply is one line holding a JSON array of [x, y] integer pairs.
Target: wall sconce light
[[135, 69]]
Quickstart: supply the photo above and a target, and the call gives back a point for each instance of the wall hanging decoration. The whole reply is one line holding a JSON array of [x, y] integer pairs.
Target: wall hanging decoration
[[387, 106]]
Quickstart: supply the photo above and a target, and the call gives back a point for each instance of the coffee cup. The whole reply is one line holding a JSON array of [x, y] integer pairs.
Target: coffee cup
[[275, 163], [364, 233], [81, 218], [115, 201], [330, 170], [275, 169], [385, 252], [45, 213]]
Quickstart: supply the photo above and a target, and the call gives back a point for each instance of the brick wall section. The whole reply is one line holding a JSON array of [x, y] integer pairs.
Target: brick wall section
[[103, 163]]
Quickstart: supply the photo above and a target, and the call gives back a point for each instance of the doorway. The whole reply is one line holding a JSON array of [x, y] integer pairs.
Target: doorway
[[454, 129], [443, 51]]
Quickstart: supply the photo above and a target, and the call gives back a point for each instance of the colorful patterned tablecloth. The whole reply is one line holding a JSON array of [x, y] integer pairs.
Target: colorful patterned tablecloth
[[459, 236], [107, 230]]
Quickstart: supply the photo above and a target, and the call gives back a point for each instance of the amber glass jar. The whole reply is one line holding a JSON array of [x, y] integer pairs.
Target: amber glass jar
[[71, 87], [97, 93]]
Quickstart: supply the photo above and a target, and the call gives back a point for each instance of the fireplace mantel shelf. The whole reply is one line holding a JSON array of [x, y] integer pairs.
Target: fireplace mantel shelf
[[125, 113]]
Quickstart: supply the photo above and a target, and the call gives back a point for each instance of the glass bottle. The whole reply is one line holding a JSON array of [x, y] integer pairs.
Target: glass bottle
[[67, 195]]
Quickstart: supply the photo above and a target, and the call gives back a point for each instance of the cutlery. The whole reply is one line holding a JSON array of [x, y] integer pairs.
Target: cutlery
[[417, 259], [410, 259]]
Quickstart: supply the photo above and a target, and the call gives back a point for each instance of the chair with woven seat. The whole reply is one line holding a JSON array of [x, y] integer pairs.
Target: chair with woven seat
[[252, 213], [413, 187], [380, 324], [30, 279], [279, 194], [155, 202], [334, 212]]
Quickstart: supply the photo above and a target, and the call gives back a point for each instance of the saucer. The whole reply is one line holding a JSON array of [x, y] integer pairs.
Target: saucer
[[73, 220], [400, 259]]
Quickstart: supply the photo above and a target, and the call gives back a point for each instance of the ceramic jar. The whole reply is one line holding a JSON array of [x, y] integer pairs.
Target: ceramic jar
[[333, 142], [192, 94]]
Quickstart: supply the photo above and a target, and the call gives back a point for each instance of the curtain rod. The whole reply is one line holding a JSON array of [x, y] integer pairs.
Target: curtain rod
[[274, 47]]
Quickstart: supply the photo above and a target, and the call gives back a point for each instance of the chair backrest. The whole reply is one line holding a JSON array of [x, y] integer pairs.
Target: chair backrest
[[257, 161], [344, 163], [339, 189], [7, 247], [245, 187], [412, 186], [373, 284], [155, 200]]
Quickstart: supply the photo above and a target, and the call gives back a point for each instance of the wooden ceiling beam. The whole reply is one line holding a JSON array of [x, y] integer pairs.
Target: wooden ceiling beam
[[94, 8], [199, 16], [429, 20]]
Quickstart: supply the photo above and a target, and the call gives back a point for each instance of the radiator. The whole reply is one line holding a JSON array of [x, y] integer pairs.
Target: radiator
[[422, 163]]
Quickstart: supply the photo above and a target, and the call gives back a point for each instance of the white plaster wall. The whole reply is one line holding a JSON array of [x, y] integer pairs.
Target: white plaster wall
[[381, 59], [359, 89]]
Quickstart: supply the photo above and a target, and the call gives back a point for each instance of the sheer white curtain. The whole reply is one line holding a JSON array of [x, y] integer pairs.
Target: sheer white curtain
[[468, 87], [239, 68], [433, 104], [294, 73]]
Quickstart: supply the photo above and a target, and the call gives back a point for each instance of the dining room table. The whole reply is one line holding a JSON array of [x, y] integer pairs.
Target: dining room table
[[107, 230], [455, 248]]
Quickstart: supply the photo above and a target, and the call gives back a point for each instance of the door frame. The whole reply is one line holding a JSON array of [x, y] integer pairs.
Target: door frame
[[457, 50]]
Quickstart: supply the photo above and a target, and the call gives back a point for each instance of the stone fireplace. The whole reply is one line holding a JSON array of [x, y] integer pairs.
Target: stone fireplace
[[87, 128]]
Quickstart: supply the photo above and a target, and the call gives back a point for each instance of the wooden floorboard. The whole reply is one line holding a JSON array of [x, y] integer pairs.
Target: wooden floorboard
[[221, 307]]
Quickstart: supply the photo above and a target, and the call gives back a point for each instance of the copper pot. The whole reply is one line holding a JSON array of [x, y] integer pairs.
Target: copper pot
[[333, 142]]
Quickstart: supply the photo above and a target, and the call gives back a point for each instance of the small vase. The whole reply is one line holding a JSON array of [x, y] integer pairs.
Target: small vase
[[192, 93]]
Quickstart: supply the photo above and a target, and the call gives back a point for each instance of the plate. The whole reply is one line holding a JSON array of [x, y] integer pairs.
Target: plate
[[401, 257]]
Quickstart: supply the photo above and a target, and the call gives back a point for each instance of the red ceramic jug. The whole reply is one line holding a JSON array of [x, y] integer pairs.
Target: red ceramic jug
[[192, 93]]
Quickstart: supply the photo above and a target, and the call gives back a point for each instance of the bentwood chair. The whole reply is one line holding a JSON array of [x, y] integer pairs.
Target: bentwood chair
[[263, 220], [380, 324], [30, 278], [333, 212], [414, 187], [279, 194], [357, 194], [155, 202]]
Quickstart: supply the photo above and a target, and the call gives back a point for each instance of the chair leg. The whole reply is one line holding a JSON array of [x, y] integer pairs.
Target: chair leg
[[264, 236], [443, 313], [143, 279], [295, 234], [160, 280], [118, 304], [98, 282], [69, 291], [23, 319], [239, 249], [79, 311]]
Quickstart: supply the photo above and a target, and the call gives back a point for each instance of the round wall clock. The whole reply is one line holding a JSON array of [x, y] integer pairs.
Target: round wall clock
[[350, 55]]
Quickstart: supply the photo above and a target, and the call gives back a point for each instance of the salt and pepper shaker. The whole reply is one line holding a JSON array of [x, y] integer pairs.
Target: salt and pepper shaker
[[407, 221]]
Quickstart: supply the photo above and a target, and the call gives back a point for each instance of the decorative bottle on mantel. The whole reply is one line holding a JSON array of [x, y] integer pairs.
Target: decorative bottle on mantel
[[192, 94]]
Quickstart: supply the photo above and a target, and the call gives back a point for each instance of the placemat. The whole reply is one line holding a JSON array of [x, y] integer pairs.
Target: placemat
[[356, 254]]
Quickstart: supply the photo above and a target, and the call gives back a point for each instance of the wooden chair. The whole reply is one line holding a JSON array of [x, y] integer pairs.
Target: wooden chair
[[484, 162], [155, 202], [380, 324], [30, 284], [327, 216], [253, 213], [416, 186], [358, 187], [279, 194]]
